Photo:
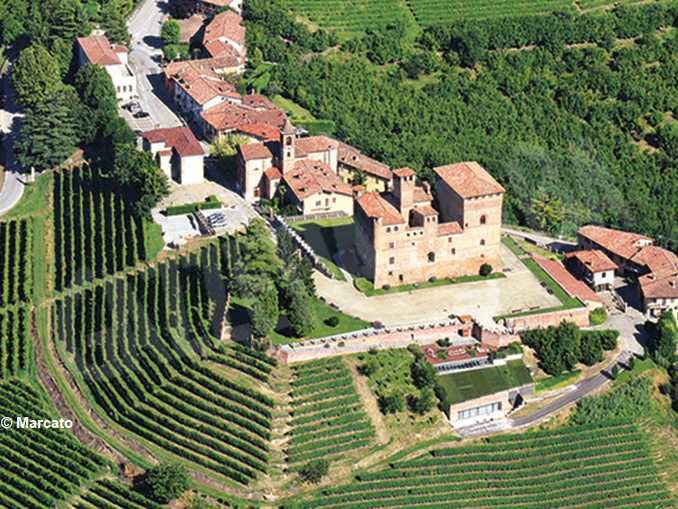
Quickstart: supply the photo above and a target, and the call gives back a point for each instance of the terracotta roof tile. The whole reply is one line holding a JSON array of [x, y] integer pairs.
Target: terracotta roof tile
[[265, 124], [351, 156], [661, 262], [273, 173], [425, 210], [313, 144], [309, 177], [404, 172], [226, 25], [594, 259], [468, 179], [421, 195], [376, 206], [659, 288], [200, 79], [449, 228], [623, 244], [567, 281], [98, 50], [251, 151], [181, 139]]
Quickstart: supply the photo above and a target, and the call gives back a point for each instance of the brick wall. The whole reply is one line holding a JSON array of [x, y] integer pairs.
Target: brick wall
[[579, 316]]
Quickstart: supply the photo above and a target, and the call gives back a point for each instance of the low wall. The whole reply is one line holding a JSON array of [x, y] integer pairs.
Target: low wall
[[579, 316], [280, 222], [317, 215]]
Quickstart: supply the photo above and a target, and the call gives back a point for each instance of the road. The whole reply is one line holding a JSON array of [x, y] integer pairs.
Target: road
[[13, 186], [541, 239], [144, 26]]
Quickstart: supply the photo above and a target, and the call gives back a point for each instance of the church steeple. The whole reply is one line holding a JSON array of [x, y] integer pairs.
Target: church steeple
[[287, 136]]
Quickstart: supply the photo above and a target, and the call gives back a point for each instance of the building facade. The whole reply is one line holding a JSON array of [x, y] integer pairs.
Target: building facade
[[97, 50], [178, 153], [593, 267], [400, 238]]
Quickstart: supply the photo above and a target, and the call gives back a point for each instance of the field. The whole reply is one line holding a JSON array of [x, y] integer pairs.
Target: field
[[480, 382], [139, 345], [16, 349], [95, 233], [327, 415], [39, 468], [15, 261], [113, 495], [584, 466]]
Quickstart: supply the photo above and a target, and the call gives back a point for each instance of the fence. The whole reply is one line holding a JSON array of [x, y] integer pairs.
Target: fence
[[318, 215]]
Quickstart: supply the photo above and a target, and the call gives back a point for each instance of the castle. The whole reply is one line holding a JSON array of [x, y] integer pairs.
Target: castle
[[401, 238]]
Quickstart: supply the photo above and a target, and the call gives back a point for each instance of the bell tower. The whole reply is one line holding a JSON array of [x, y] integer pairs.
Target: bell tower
[[287, 137]]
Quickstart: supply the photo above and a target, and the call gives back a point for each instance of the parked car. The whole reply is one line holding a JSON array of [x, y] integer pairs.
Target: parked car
[[141, 114]]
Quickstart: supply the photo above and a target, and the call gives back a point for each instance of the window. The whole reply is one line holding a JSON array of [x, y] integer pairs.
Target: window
[[388, 229], [454, 251], [482, 242], [390, 272], [318, 203], [449, 239], [334, 200], [391, 245], [395, 228], [431, 257], [391, 260], [483, 219], [288, 141]]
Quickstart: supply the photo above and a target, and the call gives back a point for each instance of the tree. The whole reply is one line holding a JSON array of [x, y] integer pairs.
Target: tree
[[167, 482], [314, 471], [48, 135], [424, 402], [423, 374], [97, 92], [591, 350], [485, 269], [113, 22], [258, 263], [664, 338], [13, 14], [264, 312], [300, 312], [558, 348], [392, 403], [170, 33], [36, 75], [548, 212]]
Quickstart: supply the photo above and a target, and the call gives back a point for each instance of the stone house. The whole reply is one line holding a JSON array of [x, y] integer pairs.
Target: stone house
[[593, 267], [400, 238], [177, 152]]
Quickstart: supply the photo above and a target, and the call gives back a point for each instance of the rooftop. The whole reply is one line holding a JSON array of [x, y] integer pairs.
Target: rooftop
[[264, 124], [449, 228], [201, 80], [225, 25], [376, 206], [313, 144], [594, 259], [404, 172], [659, 288], [250, 151], [574, 288], [181, 139], [468, 179], [98, 50], [309, 177], [351, 156], [623, 244], [661, 262]]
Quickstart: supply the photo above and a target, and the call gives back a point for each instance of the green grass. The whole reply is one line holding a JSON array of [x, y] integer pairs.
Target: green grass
[[35, 198], [294, 111], [327, 237], [365, 286], [598, 316], [513, 246], [557, 381], [323, 311], [393, 374], [481, 382]]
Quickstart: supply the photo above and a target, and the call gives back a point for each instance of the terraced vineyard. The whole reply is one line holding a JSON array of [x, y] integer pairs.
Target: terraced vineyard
[[15, 261], [327, 417], [114, 495], [39, 468], [95, 233], [16, 350], [135, 344], [585, 466], [432, 12]]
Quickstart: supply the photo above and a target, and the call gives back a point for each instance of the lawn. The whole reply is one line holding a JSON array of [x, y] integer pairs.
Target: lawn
[[365, 285], [328, 237], [347, 323], [557, 381], [34, 199], [481, 382]]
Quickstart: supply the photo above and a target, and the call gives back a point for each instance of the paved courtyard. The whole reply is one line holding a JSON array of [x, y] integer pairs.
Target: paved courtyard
[[482, 299]]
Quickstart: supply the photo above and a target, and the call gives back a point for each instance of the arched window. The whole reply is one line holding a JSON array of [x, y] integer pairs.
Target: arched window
[[483, 219], [431, 257], [482, 242]]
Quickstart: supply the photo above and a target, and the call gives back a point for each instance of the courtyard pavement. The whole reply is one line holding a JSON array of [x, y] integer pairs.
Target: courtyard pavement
[[482, 299]]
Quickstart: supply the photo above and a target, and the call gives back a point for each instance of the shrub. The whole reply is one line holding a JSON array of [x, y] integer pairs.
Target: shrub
[[167, 482], [443, 342], [485, 269], [392, 403], [432, 279], [598, 316], [314, 471], [332, 321], [386, 287]]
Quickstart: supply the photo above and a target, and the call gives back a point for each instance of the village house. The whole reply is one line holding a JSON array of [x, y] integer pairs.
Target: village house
[[303, 169], [254, 117], [224, 37], [177, 152], [654, 268], [401, 238], [96, 50], [357, 168], [592, 266]]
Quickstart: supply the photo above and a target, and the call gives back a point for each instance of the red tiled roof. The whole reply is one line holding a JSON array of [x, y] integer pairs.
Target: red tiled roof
[[594, 260], [273, 173], [623, 244], [181, 139], [313, 144], [219, 3], [250, 151], [190, 26], [404, 172], [449, 228], [265, 124], [565, 280], [200, 79], [659, 288], [375, 206], [98, 50], [425, 210], [661, 262], [227, 25], [309, 177], [421, 195], [260, 130], [351, 156], [468, 179]]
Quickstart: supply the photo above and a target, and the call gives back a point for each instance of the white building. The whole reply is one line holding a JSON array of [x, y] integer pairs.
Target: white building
[[178, 153], [96, 50]]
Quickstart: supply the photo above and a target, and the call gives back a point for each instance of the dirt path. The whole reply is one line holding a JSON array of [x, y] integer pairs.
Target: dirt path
[[370, 405]]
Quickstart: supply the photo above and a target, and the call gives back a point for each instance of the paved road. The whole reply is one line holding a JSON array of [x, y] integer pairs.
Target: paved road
[[541, 239], [13, 186], [144, 26]]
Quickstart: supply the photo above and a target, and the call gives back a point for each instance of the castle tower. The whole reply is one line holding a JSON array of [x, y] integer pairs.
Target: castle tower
[[403, 189], [287, 137]]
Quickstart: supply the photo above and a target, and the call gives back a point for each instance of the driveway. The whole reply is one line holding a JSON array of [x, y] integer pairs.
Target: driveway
[[10, 119], [144, 26], [482, 299]]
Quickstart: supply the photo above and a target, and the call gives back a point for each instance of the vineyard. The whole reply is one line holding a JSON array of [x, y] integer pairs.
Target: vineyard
[[583, 466], [114, 495], [15, 261], [327, 416], [39, 468], [95, 234], [16, 350], [141, 346], [431, 12]]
